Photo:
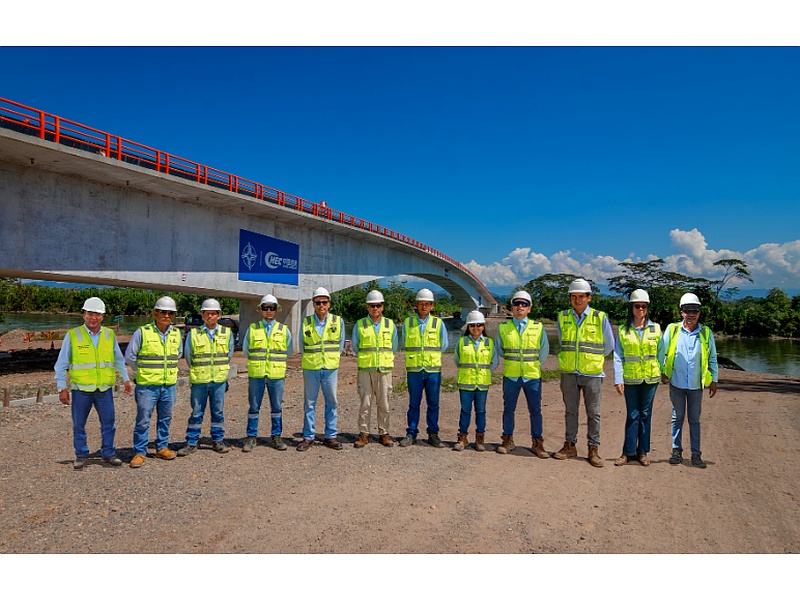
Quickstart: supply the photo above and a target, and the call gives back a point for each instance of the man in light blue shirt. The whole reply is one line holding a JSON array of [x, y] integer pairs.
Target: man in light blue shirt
[[688, 358]]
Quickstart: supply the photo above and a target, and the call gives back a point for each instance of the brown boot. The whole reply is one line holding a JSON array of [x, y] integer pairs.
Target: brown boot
[[594, 457], [567, 451], [538, 448], [480, 445], [461, 443], [507, 445], [363, 440]]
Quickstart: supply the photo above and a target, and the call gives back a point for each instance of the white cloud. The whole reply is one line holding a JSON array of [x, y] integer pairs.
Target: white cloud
[[771, 265]]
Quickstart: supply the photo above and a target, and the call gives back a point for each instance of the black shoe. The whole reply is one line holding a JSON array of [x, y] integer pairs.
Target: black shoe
[[333, 444], [113, 461], [697, 461], [677, 457], [305, 445], [433, 440], [80, 462], [220, 447], [187, 450]]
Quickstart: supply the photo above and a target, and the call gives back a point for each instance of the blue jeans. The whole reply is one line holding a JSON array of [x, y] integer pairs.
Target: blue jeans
[[533, 396], [255, 395], [326, 379], [103, 403], [468, 397], [639, 406], [431, 383], [160, 398], [684, 401], [212, 394]]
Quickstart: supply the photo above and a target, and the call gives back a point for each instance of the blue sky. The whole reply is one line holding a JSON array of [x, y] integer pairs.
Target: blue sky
[[517, 161]]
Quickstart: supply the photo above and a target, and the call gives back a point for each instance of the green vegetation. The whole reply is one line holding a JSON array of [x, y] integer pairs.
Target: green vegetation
[[398, 302]]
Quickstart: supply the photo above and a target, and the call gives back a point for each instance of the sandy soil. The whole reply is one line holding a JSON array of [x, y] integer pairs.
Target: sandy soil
[[408, 500]]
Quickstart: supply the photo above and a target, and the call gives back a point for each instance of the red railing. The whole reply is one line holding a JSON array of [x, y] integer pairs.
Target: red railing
[[46, 126]]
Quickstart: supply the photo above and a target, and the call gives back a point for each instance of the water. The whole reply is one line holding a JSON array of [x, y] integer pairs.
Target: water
[[762, 355], [37, 322]]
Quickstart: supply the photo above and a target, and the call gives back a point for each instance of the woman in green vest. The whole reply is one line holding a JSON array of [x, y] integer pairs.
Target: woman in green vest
[[636, 376], [476, 357]]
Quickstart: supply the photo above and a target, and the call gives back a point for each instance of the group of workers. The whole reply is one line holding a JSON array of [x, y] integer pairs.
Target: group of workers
[[683, 356]]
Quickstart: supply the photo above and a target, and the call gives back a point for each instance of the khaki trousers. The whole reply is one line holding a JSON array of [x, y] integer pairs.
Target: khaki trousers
[[374, 387]]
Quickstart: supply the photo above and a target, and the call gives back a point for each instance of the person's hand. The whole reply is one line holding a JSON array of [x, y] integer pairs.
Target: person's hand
[[128, 387], [63, 396], [712, 389], [664, 378], [620, 388]]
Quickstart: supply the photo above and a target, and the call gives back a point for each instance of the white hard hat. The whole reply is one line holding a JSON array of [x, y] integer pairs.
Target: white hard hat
[[475, 316], [166, 303], [321, 291], [210, 304], [424, 295], [268, 299], [689, 299], [639, 296], [521, 295], [580, 286], [374, 297], [95, 305]]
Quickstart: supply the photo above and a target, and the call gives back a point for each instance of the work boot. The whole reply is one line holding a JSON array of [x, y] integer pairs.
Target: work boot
[[363, 440], [166, 454], [333, 443], [461, 443], [277, 442], [113, 461], [677, 457], [220, 447], [644, 460], [507, 445], [386, 440], [137, 461], [80, 462], [538, 448], [187, 450], [435, 441], [249, 444], [305, 445], [567, 451], [480, 442], [621, 461], [697, 461], [594, 457], [407, 441]]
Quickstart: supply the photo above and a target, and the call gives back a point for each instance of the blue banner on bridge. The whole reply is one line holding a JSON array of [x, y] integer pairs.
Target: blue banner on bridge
[[267, 259]]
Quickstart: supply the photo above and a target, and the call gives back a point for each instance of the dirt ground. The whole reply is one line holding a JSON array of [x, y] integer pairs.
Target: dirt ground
[[416, 500]]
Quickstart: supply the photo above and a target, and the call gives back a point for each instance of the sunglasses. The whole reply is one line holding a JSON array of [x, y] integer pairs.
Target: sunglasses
[[374, 305], [321, 302], [165, 312], [640, 306], [521, 303], [691, 311], [265, 307], [476, 324]]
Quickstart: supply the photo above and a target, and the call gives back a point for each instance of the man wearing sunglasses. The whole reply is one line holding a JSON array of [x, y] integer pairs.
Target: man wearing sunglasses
[[523, 345], [153, 353], [322, 344], [266, 344], [688, 358], [374, 342]]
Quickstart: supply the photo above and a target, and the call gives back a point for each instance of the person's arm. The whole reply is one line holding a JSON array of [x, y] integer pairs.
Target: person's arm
[[132, 351], [544, 348], [608, 337], [246, 343], [443, 337], [619, 381], [457, 354], [187, 345], [713, 366], [289, 343], [341, 336], [395, 339], [61, 368], [354, 339], [661, 353], [495, 358]]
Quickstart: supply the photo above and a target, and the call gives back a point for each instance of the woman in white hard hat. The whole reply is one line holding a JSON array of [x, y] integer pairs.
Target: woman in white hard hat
[[636, 376], [475, 356]]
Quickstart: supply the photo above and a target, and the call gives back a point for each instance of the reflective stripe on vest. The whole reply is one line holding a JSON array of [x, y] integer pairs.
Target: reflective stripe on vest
[[210, 361], [473, 368], [521, 353], [322, 352], [266, 356], [375, 350], [582, 348], [92, 368], [157, 362], [639, 360], [705, 335], [423, 351]]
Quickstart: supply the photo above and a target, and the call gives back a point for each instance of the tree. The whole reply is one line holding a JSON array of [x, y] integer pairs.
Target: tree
[[734, 269], [549, 294]]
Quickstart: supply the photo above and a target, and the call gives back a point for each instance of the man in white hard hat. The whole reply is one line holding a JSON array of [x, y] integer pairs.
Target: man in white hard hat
[[208, 350], [586, 338], [267, 344], [322, 344], [425, 340], [374, 340], [91, 356], [688, 358], [524, 346], [153, 353]]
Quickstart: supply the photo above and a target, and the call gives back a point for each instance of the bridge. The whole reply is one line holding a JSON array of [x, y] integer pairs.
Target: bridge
[[82, 205]]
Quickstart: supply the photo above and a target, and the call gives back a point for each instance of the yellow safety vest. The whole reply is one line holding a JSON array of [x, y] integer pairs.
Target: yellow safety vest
[[375, 350], [705, 335], [321, 352], [92, 368], [157, 363], [423, 351], [266, 356], [521, 352], [582, 348], [473, 367], [210, 360], [639, 360]]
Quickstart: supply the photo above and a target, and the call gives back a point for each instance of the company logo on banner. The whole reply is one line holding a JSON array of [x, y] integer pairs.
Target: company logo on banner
[[267, 259]]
